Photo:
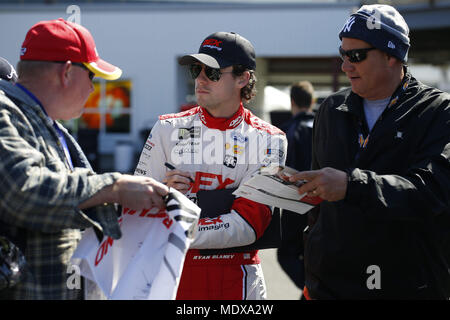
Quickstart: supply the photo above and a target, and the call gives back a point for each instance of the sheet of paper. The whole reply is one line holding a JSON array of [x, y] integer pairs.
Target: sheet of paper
[[272, 188], [146, 263]]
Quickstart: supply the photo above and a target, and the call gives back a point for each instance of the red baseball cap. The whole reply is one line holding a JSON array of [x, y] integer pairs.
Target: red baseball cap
[[60, 40]]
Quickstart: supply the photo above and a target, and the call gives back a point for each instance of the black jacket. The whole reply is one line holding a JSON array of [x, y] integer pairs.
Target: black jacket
[[290, 253], [299, 136], [396, 213]]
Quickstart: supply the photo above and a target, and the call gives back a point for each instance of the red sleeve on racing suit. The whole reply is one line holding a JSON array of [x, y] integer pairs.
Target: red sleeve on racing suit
[[257, 215]]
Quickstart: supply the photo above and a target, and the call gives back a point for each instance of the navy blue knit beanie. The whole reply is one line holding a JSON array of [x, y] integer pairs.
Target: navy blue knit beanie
[[382, 26]]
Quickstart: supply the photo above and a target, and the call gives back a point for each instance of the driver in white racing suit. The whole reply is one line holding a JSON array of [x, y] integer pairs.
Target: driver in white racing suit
[[218, 145]]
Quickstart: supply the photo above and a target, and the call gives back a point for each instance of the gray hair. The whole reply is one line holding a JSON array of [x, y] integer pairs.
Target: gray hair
[[35, 69]]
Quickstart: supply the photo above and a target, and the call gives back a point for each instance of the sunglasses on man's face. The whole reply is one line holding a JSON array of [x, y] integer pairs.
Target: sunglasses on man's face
[[79, 64], [354, 55], [91, 74], [213, 74]]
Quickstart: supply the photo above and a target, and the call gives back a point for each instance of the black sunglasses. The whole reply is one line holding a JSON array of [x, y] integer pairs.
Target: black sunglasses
[[79, 64], [213, 74], [91, 74], [354, 55]]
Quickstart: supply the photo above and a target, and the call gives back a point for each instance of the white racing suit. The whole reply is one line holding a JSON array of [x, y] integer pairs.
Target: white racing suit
[[219, 153]]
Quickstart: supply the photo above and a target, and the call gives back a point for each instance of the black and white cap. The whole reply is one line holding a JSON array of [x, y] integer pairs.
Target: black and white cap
[[7, 71], [382, 26], [221, 50]]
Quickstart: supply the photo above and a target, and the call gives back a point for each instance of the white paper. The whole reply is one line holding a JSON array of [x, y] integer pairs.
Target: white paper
[[146, 263], [268, 187]]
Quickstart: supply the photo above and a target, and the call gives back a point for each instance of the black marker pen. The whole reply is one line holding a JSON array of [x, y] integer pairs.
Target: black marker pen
[[171, 167]]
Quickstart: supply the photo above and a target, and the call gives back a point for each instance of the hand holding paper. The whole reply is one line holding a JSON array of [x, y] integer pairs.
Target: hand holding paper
[[327, 183]]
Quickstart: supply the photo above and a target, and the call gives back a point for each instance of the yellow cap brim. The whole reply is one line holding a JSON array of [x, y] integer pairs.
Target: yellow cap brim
[[104, 70]]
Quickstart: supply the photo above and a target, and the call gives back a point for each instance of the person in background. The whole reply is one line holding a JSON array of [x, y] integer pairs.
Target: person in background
[[299, 128], [49, 192], [381, 162], [215, 148], [299, 136]]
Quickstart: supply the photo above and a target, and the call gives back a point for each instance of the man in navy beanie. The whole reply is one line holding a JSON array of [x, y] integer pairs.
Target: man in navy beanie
[[381, 162]]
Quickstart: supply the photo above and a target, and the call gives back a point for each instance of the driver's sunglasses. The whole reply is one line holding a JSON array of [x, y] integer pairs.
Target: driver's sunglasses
[[81, 65], [213, 74], [354, 55]]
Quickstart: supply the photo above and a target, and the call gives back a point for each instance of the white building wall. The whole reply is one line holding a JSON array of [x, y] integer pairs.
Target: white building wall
[[145, 42]]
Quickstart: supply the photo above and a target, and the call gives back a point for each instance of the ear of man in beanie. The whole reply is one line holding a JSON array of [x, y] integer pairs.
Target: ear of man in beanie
[[381, 26]]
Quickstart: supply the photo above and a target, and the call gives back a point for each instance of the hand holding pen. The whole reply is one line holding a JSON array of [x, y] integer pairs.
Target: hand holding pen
[[180, 180]]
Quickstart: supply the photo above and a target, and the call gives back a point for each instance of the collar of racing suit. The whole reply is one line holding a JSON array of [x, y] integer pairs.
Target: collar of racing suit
[[222, 123]]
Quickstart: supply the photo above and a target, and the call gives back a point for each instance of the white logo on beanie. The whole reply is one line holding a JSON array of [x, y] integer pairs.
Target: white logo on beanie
[[22, 51], [374, 21], [348, 25], [391, 45], [387, 18]]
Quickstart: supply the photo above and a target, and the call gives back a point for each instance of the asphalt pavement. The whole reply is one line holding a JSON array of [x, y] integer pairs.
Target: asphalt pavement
[[279, 285]]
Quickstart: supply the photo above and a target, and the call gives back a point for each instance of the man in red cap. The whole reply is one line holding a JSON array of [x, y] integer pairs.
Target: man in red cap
[[49, 191]]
